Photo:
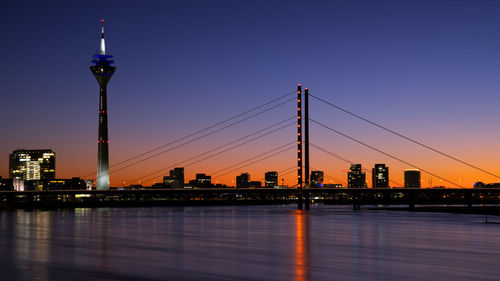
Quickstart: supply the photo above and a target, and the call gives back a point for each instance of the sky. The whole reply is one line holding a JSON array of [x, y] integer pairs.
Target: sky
[[426, 69]]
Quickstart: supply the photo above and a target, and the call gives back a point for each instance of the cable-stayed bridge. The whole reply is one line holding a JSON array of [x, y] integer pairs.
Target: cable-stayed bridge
[[286, 145], [300, 191]]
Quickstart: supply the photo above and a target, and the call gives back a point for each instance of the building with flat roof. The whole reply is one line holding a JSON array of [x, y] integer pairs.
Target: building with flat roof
[[317, 178], [201, 181], [175, 178], [34, 164], [271, 179], [356, 178], [380, 176], [243, 180], [412, 178]]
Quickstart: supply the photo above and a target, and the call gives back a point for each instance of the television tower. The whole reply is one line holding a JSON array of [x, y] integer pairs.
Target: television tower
[[102, 71]]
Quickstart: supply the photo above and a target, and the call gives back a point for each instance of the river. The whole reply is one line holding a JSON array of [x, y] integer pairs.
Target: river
[[246, 243]]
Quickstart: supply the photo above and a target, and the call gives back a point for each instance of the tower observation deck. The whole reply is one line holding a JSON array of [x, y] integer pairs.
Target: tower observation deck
[[102, 71]]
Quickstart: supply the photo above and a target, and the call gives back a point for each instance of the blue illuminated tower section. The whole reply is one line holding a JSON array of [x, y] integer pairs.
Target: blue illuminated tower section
[[102, 71]]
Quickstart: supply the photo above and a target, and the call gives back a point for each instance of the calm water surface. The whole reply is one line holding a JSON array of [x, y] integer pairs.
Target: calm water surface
[[246, 243]]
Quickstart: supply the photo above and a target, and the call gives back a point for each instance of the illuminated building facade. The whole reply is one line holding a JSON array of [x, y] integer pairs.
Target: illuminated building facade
[[102, 71], [412, 178], [176, 178], [32, 165], [356, 178], [317, 178], [271, 179], [380, 176], [201, 181]]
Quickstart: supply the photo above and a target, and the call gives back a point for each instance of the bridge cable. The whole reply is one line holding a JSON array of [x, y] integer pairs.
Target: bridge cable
[[256, 161], [346, 160], [219, 175], [204, 129], [198, 138], [282, 171], [330, 177], [250, 159], [403, 136], [382, 152], [221, 146]]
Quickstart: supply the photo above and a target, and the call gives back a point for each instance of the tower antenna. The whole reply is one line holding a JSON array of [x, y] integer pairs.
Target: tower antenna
[[103, 45]]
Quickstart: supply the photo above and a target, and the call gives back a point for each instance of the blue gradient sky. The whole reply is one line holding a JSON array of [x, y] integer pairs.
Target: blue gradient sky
[[428, 69]]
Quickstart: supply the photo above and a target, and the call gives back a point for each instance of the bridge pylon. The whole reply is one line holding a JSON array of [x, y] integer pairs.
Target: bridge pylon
[[299, 145]]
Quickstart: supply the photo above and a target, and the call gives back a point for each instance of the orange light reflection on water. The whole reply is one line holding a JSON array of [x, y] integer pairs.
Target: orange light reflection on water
[[301, 259]]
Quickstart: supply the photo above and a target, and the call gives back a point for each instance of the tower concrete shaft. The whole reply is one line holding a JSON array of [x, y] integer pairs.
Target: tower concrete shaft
[[102, 71]]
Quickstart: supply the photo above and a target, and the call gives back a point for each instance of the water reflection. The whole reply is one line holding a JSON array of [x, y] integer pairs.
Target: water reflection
[[301, 246], [245, 243], [32, 232]]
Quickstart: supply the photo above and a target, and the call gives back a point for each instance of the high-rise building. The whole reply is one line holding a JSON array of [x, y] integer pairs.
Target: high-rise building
[[271, 179], [380, 176], [243, 180], [317, 178], [176, 178], [37, 164], [412, 178], [102, 71], [356, 178]]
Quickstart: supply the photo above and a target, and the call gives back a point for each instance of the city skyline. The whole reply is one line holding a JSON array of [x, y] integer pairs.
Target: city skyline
[[433, 77]]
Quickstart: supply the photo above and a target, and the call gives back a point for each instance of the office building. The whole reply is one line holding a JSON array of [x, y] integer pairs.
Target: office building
[[39, 164], [201, 181], [102, 71], [412, 178], [356, 178], [380, 176], [175, 179], [317, 178], [271, 179], [243, 180]]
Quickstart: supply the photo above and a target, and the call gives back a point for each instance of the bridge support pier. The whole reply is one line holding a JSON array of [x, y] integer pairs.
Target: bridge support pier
[[411, 201], [468, 198], [299, 200], [306, 199]]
